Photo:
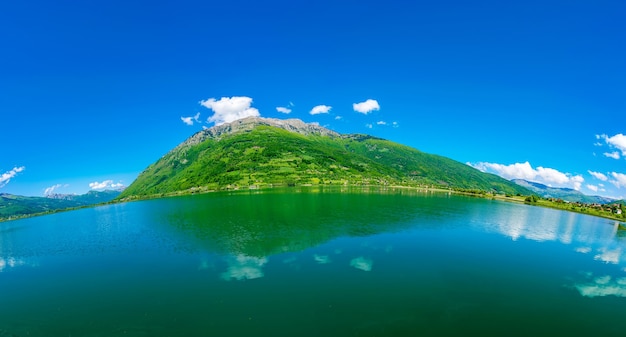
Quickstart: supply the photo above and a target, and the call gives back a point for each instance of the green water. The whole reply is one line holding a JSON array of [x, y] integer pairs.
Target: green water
[[313, 262]]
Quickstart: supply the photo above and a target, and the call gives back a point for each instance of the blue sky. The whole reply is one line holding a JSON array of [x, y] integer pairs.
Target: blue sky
[[93, 92]]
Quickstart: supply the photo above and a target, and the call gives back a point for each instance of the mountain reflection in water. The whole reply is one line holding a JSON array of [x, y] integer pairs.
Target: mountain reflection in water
[[275, 222]]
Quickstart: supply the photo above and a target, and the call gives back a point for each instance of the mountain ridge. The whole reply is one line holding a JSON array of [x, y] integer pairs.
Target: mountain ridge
[[12, 206], [564, 193], [257, 152], [248, 123]]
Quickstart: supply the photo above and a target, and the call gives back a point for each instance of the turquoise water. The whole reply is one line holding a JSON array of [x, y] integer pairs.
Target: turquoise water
[[313, 262]]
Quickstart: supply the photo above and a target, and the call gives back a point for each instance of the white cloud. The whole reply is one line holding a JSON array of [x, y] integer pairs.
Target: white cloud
[[321, 259], [51, 189], [362, 263], [369, 126], [598, 175], [366, 107], [614, 154], [107, 184], [544, 175], [320, 109], [96, 185], [620, 179], [8, 175], [513, 171], [244, 267], [592, 188], [229, 109], [338, 118], [576, 182], [618, 141], [381, 123], [283, 109], [395, 124], [552, 176], [189, 120]]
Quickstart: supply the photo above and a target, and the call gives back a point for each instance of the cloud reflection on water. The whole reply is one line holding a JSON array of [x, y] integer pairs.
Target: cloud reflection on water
[[362, 263], [609, 255], [12, 262], [243, 267], [589, 234], [583, 250], [290, 260], [602, 286], [206, 264], [321, 259], [544, 224]]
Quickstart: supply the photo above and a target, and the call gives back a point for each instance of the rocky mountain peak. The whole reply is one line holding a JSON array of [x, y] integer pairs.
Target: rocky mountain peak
[[249, 123]]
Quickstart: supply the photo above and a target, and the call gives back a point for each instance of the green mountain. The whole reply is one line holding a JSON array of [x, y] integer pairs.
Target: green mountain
[[259, 152], [12, 206], [566, 194]]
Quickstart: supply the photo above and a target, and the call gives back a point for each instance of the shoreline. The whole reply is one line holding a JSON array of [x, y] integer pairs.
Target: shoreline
[[194, 191]]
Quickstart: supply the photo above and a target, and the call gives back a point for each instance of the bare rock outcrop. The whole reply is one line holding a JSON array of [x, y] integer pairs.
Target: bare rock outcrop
[[249, 123]]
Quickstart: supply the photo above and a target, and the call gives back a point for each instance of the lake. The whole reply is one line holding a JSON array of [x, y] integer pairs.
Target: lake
[[313, 262]]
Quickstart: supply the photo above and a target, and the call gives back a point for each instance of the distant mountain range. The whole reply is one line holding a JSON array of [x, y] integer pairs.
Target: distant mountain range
[[566, 194], [257, 152], [16, 205], [89, 198]]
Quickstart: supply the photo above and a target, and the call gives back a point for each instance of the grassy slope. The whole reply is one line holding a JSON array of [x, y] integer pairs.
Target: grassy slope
[[268, 155]]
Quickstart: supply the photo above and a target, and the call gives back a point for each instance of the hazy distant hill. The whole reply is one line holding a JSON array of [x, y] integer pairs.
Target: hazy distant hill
[[567, 194], [16, 205], [260, 152], [89, 198]]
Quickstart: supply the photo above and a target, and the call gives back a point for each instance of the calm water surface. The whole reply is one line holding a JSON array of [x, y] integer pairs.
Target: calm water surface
[[313, 262]]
